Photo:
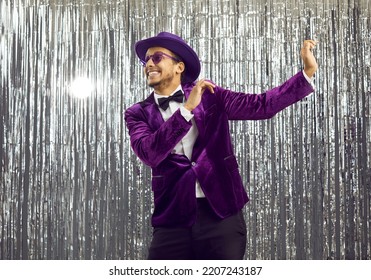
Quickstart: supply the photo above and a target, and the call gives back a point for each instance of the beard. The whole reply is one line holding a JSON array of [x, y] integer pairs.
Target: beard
[[162, 83], [154, 84]]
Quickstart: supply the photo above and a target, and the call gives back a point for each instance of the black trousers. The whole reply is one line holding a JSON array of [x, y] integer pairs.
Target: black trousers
[[210, 238]]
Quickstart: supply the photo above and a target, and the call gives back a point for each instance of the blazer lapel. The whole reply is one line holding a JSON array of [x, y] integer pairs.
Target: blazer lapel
[[153, 113]]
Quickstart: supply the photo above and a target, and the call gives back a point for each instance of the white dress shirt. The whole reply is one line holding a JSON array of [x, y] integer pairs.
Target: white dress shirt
[[184, 146]]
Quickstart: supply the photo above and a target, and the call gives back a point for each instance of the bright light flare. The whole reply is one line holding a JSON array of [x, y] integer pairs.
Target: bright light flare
[[81, 87]]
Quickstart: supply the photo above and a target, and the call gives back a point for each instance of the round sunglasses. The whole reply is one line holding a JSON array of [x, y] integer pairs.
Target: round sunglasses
[[157, 57]]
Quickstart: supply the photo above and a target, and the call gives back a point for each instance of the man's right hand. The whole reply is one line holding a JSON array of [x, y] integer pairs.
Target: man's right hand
[[198, 90]]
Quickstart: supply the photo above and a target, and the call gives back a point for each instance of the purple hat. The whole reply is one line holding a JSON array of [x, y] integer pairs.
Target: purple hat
[[178, 46]]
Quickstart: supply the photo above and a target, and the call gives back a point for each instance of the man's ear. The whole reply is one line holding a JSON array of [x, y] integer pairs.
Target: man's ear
[[181, 67]]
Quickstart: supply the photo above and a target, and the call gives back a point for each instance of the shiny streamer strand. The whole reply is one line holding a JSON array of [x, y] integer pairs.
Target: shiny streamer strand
[[70, 185]]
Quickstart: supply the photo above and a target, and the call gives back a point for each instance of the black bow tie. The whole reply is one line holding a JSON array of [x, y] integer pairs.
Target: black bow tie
[[164, 101]]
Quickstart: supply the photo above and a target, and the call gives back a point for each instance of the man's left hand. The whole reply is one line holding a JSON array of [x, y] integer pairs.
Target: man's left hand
[[310, 63]]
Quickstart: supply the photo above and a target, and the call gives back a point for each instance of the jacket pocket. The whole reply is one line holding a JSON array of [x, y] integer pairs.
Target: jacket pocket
[[231, 163], [158, 183]]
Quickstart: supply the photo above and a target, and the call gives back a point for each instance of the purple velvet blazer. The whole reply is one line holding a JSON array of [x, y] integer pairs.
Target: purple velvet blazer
[[213, 161]]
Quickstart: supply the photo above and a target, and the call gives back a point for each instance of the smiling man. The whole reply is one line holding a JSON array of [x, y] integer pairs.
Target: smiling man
[[182, 132]]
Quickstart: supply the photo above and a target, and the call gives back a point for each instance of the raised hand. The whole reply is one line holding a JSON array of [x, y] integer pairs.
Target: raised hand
[[310, 63], [198, 90]]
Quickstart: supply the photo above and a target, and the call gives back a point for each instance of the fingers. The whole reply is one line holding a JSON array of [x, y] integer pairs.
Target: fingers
[[309, 44], [307, 48], [310, 63], [204, 84]]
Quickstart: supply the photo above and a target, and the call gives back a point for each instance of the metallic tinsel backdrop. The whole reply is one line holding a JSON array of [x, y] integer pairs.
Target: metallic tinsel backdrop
[[70, 186]]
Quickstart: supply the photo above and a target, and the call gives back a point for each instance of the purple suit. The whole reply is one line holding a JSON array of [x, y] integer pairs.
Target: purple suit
[[213, 161]]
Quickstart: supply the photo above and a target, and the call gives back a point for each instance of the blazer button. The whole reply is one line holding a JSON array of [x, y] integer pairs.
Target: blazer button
[[193, 163]]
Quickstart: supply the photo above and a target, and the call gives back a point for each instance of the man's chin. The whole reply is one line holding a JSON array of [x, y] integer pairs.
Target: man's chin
[[153, 84]]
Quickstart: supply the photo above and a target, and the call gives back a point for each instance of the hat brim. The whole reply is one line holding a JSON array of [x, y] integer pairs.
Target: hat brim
[[185, 52]]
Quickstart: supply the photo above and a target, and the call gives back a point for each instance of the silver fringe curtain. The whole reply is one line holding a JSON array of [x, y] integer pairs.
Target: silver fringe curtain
[[70, 186]]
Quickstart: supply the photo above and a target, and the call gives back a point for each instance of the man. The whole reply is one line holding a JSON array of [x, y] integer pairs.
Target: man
[[182, 132]]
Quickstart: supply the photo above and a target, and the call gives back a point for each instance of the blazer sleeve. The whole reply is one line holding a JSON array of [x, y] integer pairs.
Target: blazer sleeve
[[247, 106], [153, 146]]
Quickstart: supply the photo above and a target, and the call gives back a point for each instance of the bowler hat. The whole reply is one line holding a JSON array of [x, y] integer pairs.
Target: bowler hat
[[178, 46]]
